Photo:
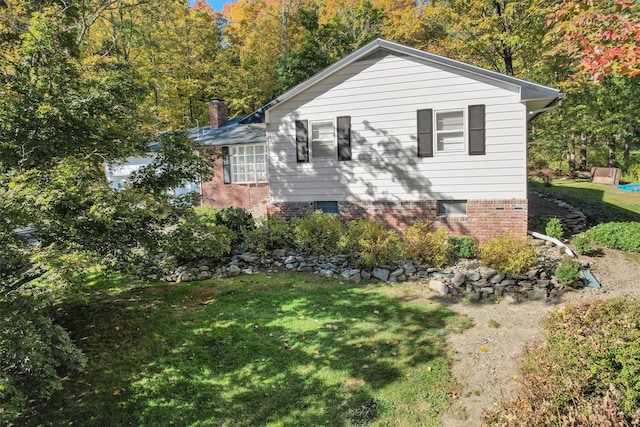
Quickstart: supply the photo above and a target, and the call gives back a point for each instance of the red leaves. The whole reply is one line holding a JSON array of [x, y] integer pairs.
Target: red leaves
[[603, 37]]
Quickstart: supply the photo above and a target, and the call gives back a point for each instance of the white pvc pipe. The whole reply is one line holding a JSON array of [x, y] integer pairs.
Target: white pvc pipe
[[554, 241]]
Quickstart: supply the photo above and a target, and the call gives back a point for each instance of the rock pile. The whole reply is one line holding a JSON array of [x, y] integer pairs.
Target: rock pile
[[574, 222], [467, 278]]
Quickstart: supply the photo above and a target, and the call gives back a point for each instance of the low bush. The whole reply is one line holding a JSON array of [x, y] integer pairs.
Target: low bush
[[568, 271], [238, 220], [583, 244], [272, 234], [318, 234], [426, 245], [587, 372], [463, 247], [617, 235], [554, 229], [194, 239], [368, 243], [508, 254], [208, 214]]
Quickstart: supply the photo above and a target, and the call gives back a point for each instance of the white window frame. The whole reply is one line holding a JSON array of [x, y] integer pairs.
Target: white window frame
[[329, 143], [437, 133], [243, 172]]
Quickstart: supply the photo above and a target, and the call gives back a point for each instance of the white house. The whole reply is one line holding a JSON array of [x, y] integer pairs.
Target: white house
[[398, 134]]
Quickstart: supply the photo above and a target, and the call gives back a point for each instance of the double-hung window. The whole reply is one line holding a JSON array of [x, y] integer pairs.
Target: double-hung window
[[325, 139], [248, 164], [450, 131], [323, 142]]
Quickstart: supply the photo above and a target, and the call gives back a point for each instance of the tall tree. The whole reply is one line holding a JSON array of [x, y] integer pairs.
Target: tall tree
[[420, 24], [602, 36], [592, 55], [503, 35], [63, 112], [259, 34], [173, 47], [328, 38]]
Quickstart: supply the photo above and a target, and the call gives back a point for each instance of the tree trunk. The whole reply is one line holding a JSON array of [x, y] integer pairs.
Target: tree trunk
[[611, 145], [571, 155], [505, 51], [507, 56], [583, 152]]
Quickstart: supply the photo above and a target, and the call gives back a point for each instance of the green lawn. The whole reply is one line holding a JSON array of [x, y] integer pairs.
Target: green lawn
[[286, 350], [601, 203]]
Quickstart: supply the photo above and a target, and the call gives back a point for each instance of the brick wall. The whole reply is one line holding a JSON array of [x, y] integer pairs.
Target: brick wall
[[252, 197], [484, 218]]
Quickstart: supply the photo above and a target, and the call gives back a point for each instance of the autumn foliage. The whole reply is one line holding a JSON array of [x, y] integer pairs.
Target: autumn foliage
[[603, 36]]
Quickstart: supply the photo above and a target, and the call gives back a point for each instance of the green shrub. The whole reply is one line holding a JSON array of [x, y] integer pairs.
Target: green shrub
[[583, 244], [238, 220], [272, 234], [34, 355], [318, 234], [617, 235], [368, 243], [193, 239], [568, 270], [208, 214], [554, 229], [508, 254], [587, 372], [463, 247], [425, 245]]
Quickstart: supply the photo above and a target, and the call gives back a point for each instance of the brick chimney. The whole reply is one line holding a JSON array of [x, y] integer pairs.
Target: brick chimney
[[218, 112]]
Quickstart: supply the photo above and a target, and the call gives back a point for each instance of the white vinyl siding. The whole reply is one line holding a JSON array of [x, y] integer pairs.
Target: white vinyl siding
[[449, 132], [248, 164], [323, 143], [382, 96]]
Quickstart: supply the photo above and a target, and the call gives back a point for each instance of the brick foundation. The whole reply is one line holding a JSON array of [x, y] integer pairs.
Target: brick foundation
[[484, 219]]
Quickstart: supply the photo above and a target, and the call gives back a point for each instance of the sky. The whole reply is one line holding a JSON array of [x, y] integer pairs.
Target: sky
[[216, 4]]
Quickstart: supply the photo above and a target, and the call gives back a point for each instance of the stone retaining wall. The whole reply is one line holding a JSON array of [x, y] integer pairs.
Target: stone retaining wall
[[467, 278], [574, 222]]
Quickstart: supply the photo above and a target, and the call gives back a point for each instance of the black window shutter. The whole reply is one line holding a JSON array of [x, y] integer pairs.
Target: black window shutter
[[302, 140], [226, 166], [344, 138], [425, 133], [476, 130]]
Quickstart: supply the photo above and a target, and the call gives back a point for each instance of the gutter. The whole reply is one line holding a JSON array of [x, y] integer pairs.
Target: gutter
[[553, 104]]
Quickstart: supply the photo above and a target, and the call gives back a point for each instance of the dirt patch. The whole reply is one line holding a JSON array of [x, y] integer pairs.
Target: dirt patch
[[486, 357]]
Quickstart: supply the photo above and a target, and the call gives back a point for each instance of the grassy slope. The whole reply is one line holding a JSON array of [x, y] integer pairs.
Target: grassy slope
[[601, 203], [284, 350]]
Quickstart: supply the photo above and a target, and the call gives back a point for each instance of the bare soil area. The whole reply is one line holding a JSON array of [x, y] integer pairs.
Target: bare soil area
[[487, 356]]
